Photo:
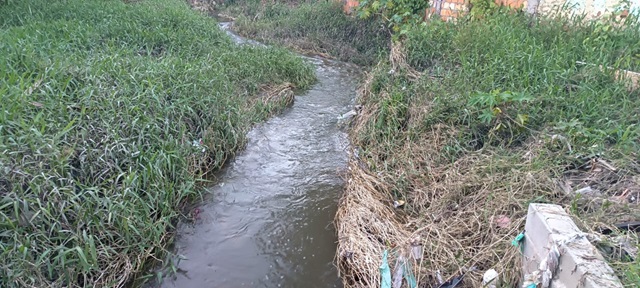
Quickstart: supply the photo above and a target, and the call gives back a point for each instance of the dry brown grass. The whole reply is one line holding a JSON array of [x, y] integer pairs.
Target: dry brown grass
[[281, 93], [398, 60], [451, 211]]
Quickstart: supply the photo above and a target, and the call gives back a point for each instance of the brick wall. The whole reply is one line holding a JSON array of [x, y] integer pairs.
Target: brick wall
[[450, 9], [349, 5]]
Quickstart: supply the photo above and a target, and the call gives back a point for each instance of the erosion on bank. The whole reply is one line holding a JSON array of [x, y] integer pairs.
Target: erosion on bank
[[468, 122], [310, 27], [111, 113]]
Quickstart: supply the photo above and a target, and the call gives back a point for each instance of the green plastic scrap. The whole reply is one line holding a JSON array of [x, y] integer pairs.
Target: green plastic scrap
[[385, 271], [408, 275], [518, 239]]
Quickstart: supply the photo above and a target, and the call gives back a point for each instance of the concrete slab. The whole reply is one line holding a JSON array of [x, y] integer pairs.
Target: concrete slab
[[579, 263]]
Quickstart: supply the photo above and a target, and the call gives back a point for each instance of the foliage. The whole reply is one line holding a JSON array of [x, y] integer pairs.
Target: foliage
[[500, 111], [317, 27], [492, 105], [102, 103], [481, 8], [399, 14]]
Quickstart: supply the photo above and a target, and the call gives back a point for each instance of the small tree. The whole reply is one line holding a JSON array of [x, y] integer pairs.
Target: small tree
[[399, 14]]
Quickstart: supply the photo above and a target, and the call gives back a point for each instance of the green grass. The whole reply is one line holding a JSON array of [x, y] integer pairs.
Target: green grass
[[101, 101], [503, 111], [508, 53], [311, 27]]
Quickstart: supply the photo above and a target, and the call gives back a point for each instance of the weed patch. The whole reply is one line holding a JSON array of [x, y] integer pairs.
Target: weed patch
[[313, 27], [111, 114], [473, 121]]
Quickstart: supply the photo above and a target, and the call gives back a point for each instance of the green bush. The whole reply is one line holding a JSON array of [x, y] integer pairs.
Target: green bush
[[102, 103]]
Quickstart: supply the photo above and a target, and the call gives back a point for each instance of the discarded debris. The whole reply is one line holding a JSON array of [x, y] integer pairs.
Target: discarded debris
[[516, 241], [398, 273], [403, 271], [503, 221], [453, 282], [439, 278], [348, 115], [552, 238], [385, 271], [346, 118], [490, 279], [398, 203], [416, 250], [588, 191], [625, 243], [630, 226], [198, 144]]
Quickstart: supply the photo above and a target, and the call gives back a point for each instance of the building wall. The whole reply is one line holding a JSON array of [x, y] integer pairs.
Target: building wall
[[592, 8], [450, 9]]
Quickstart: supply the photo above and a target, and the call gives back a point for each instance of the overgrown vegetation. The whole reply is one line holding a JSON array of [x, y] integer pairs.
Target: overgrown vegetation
[[468, 122], [111, 113], [400, 15], [311, 27]]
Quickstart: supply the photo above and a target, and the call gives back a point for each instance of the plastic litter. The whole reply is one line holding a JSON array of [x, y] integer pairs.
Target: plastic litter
[[348, 115], [547, 268], [385, 271], [588, 191], [408, 275], [398, 203], [453, 282], [503, 221], [398, 273], [439, 278], [516, 241], [416, 251], [403, 270], [490, 279], [198, 144]]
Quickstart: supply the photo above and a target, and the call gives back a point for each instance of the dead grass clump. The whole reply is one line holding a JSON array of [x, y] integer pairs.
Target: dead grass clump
[[281, 94], [398, 60], [207, 6], [471, 211], [366, 226], [463, 214]]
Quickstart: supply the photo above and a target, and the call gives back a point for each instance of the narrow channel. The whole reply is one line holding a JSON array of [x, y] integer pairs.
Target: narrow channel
[[269, 220]]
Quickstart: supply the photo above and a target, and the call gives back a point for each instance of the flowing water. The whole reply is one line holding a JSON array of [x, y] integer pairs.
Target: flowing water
[[269, 220]]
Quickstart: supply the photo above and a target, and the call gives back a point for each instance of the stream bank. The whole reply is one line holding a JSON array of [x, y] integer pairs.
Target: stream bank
[[111, 112]]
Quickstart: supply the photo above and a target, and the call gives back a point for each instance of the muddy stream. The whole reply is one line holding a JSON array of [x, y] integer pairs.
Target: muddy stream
[[268, 222]]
